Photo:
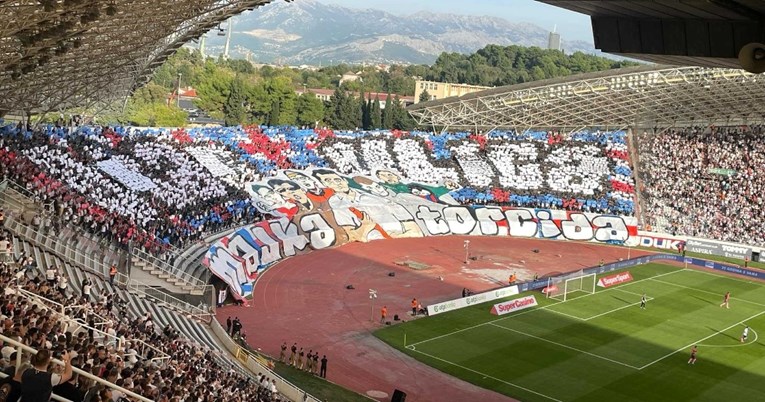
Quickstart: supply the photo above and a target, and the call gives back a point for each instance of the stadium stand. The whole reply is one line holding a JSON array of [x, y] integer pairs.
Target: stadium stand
[[104, 188], [705, 182], [132, 342], [577, 171]]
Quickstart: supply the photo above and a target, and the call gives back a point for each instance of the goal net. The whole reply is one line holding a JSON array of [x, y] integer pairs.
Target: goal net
[[560, 287]]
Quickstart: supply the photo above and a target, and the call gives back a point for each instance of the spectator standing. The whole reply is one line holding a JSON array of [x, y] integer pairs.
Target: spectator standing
[[63, 283], [236, 327], [309, 361], [282, 352], [383, 314], [85, 282], [37, 383], [69, 390], [293, 353], [414, 306], [112, 274], [323, 371], [316, 362], [228, 325], [50, 276]]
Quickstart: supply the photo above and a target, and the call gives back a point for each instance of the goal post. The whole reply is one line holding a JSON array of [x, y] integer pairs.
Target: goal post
[[559, 288]]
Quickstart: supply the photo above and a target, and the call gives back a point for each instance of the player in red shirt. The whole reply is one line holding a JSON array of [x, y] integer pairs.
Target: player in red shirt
[[726, 298], [692, 360]]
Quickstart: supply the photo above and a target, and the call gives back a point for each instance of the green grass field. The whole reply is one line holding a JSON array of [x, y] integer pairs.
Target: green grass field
[[602, 346]]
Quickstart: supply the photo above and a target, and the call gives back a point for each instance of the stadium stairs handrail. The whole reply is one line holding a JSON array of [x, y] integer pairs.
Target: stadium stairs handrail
[[62, 307], [164, 298], [188, 280], [20, 348], [118, 341], [71, 255]]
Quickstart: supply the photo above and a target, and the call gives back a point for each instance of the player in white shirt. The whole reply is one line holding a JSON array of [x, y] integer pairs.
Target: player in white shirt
[[745, 334]]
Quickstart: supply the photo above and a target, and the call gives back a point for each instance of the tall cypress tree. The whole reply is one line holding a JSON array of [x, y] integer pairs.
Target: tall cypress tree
[[366, 114], [336, 104], [348, 112], [401, 118], [233, 109], [375, 119], [273, 117], [387, 113]]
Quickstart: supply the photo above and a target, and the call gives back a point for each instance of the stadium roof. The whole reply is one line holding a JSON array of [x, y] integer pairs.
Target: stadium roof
[[643, 96], [60, 53], [707, 33]]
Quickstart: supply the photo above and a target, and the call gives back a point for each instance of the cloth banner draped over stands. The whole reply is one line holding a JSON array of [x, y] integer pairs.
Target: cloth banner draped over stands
[[319, 208]]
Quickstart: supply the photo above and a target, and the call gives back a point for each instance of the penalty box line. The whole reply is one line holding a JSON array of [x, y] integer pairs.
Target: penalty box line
[[604, 313], [702, 340], [531, 310], [484, 375], [707, 292]]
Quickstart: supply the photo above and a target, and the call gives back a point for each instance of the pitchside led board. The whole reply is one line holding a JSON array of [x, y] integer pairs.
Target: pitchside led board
[[716, 248], [320, 208]]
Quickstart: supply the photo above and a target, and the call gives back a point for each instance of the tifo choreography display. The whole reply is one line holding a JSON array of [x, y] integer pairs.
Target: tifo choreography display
[[320, 208], [160, 187]]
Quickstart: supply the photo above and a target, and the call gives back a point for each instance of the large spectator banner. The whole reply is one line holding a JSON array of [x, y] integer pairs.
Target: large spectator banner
[[320, 208]]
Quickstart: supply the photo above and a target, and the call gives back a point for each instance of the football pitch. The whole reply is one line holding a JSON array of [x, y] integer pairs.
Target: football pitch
[[602, 346]]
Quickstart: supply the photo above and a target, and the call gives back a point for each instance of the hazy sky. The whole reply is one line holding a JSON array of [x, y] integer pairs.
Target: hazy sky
[[572, 26]]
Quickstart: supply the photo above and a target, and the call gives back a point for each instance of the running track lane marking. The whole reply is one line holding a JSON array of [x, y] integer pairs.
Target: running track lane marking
[[486, 375], [707, 292], [747, 343], [539, 308], [702, 339], [567, 347]]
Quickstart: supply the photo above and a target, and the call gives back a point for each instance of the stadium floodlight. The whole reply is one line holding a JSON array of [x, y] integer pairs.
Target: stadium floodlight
[[560, 287]]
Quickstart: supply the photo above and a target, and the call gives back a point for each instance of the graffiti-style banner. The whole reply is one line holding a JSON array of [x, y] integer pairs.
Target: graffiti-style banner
[[319, 208]]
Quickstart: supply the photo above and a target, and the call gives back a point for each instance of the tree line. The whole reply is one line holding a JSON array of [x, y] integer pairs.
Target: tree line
[[237, 92]]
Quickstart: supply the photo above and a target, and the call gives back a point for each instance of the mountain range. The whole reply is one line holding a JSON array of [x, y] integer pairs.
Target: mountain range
[[311, 32]]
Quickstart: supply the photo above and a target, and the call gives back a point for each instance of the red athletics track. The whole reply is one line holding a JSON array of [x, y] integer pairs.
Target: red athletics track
[[304, 300]]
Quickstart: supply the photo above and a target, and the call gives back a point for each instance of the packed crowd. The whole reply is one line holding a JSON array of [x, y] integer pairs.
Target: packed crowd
[[130, 189], [582, 171], [157, 187], [171, 369], [705, 182]]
